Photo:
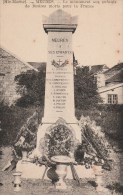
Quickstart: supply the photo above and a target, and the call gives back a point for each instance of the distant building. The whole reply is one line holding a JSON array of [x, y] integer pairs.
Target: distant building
[[112, 94], [97, 71], [114, 74], [112, 91], [10, 66]]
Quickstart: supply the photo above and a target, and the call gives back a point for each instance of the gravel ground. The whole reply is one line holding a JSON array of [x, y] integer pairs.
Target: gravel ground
[[38, 187]]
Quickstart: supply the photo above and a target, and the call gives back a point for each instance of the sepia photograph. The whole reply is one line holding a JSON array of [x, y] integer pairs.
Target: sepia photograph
[[61, 97]]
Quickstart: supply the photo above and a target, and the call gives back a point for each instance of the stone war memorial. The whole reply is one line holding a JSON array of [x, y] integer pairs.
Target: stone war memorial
[[59, 132], [60, 136], [59, 109]]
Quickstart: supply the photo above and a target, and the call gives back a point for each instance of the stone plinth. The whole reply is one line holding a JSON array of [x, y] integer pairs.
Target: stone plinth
[[32, 171]]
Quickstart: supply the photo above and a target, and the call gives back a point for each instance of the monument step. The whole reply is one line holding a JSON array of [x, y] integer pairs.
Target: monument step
[[32, 171]]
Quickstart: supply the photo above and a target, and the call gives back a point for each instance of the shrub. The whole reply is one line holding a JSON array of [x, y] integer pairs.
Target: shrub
[[12, 119], [109, 117]]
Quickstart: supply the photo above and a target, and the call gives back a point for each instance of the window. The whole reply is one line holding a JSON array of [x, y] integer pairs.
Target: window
[[112, 98]]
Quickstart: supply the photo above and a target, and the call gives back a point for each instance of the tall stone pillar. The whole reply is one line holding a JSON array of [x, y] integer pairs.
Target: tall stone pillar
[[59, 86]]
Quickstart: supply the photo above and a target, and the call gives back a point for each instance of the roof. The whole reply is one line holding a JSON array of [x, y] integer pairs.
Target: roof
[[37, 65], [114, 70], [98, 68], [116, 78], [6, 54], [109, 87]]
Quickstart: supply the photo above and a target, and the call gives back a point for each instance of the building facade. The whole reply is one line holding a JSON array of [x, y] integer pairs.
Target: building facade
[[112, 94], [109, 82], [10, 66]]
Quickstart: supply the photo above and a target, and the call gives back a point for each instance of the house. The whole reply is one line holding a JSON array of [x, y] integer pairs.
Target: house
[[115, 70], [112, 92], [97, 71], [118, 78], [114, 74], [10, 66]]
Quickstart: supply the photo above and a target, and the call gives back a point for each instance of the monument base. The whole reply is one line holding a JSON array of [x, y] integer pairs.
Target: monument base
[[32, 171]]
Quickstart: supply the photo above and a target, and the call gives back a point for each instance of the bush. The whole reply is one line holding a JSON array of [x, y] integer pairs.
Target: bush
[[31, 87], [110, 118], [86, 95], [12, 119]]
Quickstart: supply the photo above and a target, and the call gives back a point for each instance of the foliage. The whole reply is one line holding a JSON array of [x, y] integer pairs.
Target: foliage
[[58, 141], [12, 119], [86, 94], [31, 87], [26, 137], [95, 139], [110, 118]]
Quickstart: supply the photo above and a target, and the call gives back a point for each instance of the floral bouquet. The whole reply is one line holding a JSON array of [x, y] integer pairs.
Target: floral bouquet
[[26, 137], [58, 141], [96, 147]]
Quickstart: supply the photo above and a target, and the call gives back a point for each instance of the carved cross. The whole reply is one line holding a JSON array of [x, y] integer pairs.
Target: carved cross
[[59, 61]]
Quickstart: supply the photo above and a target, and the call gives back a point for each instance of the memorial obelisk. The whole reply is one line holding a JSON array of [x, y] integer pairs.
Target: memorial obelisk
[[59, 85]]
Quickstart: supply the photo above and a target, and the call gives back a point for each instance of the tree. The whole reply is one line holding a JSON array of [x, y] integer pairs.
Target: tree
[[31, 87], [86, 94]]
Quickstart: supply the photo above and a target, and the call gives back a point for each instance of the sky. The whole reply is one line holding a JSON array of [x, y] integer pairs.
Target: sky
[[98, 38]]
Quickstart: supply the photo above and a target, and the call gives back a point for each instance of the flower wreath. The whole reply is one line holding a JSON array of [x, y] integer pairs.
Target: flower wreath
[[59, 140]]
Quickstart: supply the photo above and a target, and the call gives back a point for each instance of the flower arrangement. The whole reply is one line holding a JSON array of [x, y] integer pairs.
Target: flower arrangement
[[59, 141], [26, 137], [96, 145], [25, 146]]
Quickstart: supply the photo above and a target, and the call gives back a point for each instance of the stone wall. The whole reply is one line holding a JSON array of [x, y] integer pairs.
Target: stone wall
[[10, 66]]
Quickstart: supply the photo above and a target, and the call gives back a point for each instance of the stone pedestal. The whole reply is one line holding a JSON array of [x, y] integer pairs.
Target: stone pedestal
[[61, 171], [24, 155], [17, 181], [62, 163], [98, 177]]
